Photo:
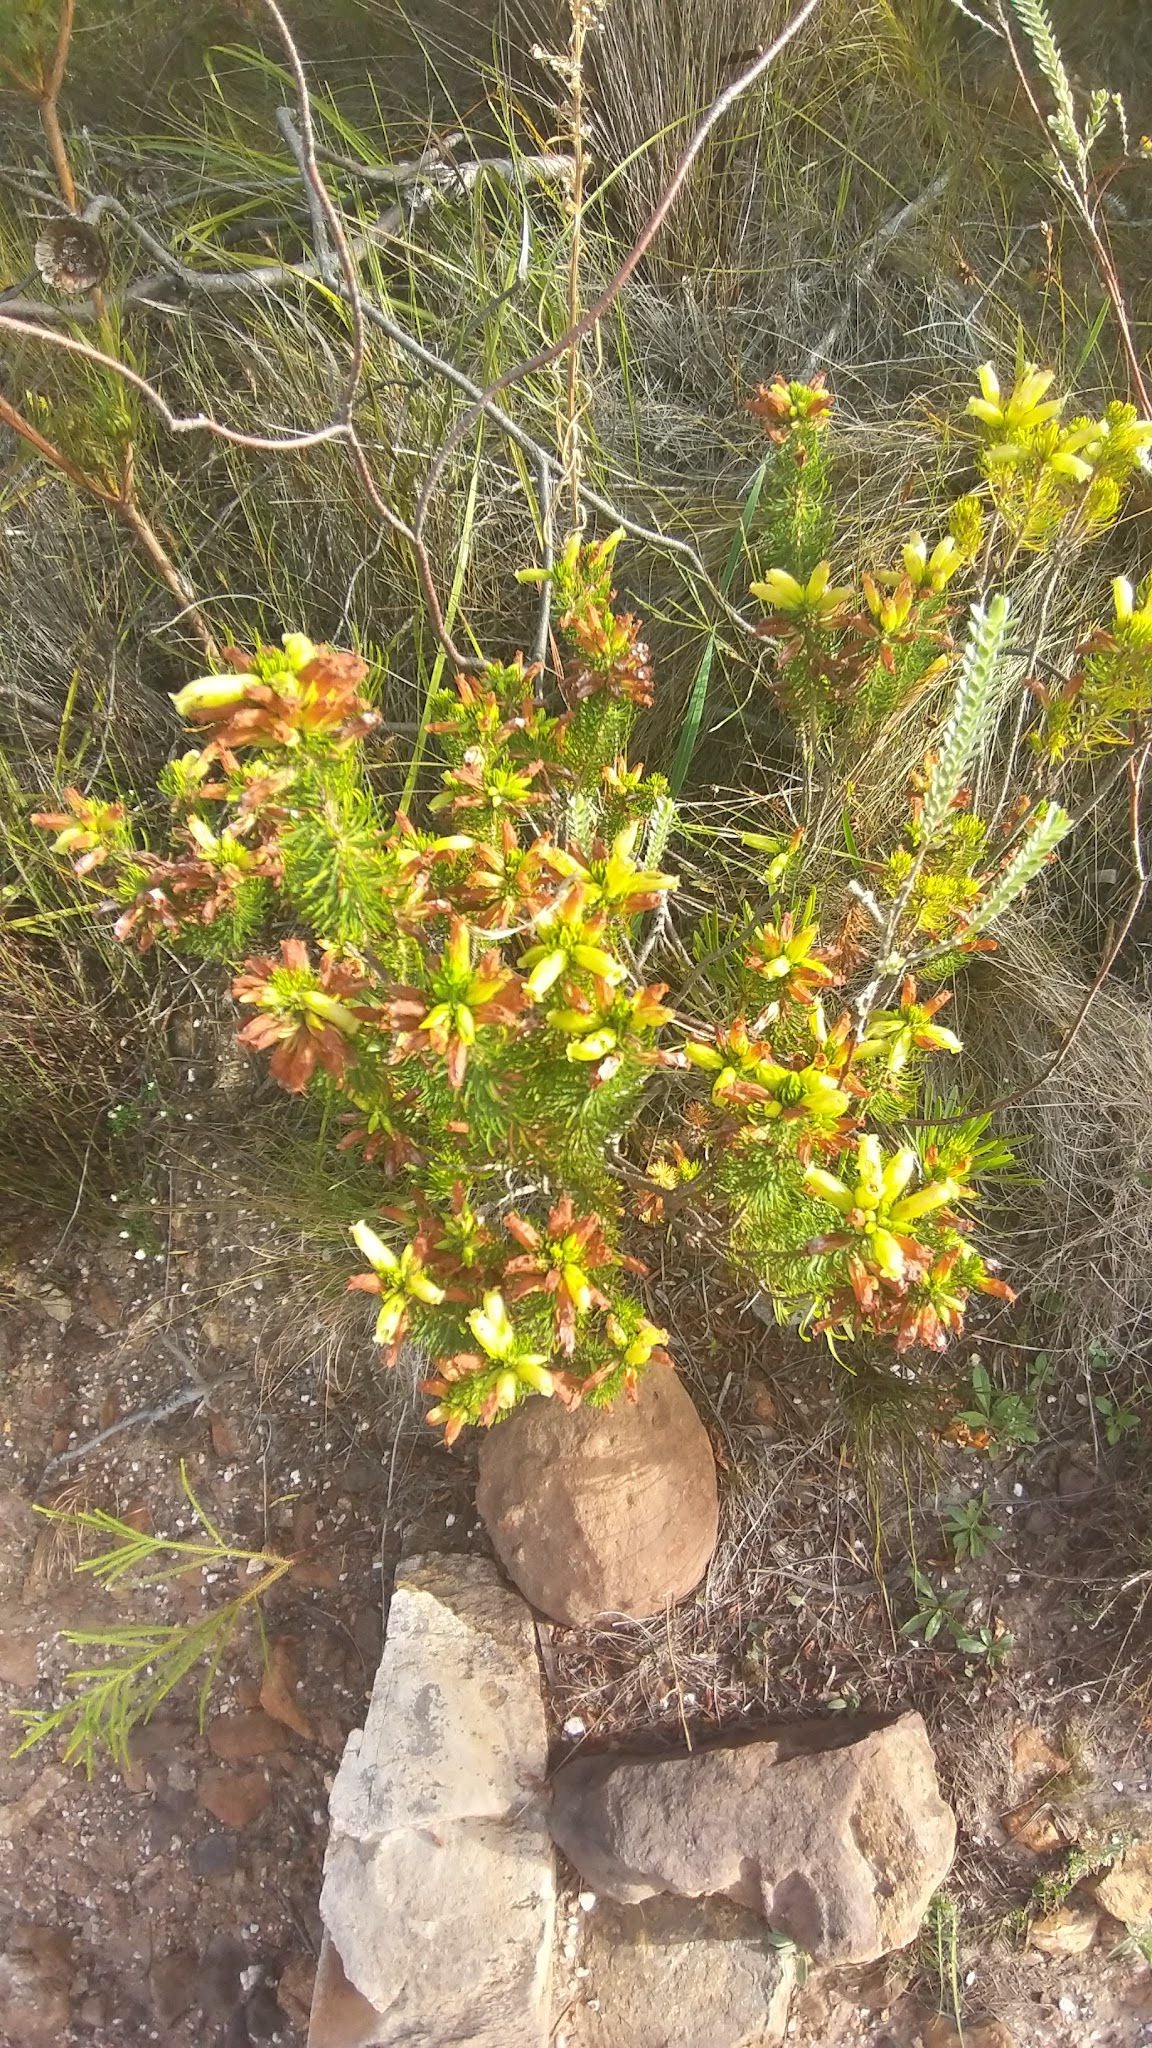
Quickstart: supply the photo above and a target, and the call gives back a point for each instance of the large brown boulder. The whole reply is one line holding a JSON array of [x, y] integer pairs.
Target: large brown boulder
[[840, 1848], [605, 1510]]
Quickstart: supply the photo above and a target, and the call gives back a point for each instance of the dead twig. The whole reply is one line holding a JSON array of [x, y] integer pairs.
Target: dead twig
[[140, 1418]]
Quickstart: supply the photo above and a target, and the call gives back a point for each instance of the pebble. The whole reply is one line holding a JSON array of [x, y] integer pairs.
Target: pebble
[[213, 1856]]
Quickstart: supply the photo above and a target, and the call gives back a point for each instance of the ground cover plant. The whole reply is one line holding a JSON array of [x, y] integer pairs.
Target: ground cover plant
[[651, 765]]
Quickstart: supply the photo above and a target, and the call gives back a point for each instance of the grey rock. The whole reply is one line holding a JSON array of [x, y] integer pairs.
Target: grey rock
[[605, 1510], [222, 1967], [213, 1856], [681, 1973], [839, 1847], [455, 1727], [439, 1893], [447, 1932]]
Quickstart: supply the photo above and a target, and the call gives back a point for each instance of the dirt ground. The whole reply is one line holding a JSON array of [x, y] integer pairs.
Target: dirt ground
[[177, 1902]]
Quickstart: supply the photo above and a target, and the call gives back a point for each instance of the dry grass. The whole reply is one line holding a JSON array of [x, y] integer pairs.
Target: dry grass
[[1083, 1236]]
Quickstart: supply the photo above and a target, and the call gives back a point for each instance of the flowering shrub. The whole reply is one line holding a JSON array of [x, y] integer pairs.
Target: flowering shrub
[[468, 988]]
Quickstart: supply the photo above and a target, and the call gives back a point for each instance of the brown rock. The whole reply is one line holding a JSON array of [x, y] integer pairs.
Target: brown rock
[[238, 1738], [341, 2016], [234, 1799], [1033, 1827], [840, 1847], [294, 1991], [278, 1690], [1125, 1891], [35, 1987], [1034, 1760], [604, 1511], [18, 1661], [1068, 1930], [225, 1441], [104, 1306]]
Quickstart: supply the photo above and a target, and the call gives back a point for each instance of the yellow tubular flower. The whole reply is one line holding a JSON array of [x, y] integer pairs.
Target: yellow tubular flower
[[211, 693], [816, 599]]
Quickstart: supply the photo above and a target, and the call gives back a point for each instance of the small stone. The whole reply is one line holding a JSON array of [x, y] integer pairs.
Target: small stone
[[225, 1441], [760, 1404], [104, 1306], [605, 1510], [174, 1982], [213, 1856], [234, 1799], [35, 1987], [678, 1973], [1068, 1930], [19, 1661], [1033, 1828], [840, 1847], [278, 1690], [1125, 1891], [238, 1738]]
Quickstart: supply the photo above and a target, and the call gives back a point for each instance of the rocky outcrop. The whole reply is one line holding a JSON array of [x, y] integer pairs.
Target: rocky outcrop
[[604, 1511], [839, 1847], [438, 1894]]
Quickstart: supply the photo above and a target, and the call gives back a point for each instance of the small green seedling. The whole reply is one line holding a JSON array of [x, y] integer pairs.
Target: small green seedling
[[1005, 1416], [969, 1528]]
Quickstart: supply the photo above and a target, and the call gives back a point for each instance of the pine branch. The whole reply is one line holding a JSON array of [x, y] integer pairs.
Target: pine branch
[[1034, 20], [1025, 865], [961, 734]]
